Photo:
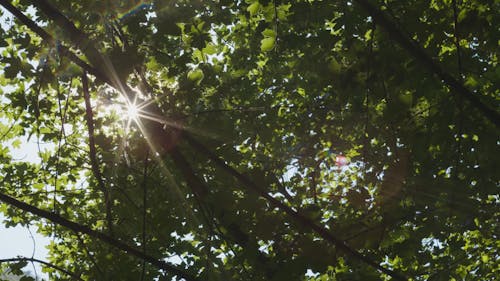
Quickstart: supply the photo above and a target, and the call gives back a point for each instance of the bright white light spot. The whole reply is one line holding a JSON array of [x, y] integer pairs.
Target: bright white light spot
[[132, 112]]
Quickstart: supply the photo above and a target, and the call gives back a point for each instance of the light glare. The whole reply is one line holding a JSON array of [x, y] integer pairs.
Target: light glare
[[132, 112]]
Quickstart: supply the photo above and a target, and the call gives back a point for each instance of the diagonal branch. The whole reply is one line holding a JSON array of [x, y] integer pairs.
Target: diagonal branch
[[90, 255], [296, 216], [144, 211], [93, 154], [78, 228], [58, 268], [200, 191], [88, 47], [418, 53], [77, 37], [65, 51]]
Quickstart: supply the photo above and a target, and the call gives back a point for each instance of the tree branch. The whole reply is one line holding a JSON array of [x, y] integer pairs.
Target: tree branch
[[92, 154], [144, 211], [77, 37], [165, 136], [18, 259], [296, 216], [159, 263], [87, 46], [65, 51], [418, 53], [200, 191]]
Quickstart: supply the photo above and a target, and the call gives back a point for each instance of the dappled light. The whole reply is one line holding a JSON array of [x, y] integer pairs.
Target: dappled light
[[251, 140]]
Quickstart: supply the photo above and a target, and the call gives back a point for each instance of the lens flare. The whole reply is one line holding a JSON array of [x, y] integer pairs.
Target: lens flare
[[341, 161], [132, 10], [132, 111]]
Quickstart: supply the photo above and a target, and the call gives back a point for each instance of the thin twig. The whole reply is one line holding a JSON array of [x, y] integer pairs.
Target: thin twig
[[276, 22], [65, 51], [200, 191], [58, 153], [33, 252], [295, 215], [460, 77], [8, 130], [93, 154], [419, 54], [144, 211], [80, 39], [90, 255], [79, 228], [368, 90], [18, 259]]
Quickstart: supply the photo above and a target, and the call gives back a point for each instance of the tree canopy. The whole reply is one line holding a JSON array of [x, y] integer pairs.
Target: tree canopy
[[253, 140]]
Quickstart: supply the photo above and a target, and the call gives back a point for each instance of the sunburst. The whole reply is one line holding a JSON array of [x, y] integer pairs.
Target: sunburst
[[132, 111]]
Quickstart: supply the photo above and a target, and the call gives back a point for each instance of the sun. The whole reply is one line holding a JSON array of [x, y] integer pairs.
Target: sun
[[132, 111], [135, 110]]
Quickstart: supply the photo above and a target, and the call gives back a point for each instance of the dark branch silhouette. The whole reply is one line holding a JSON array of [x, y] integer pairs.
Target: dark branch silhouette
[[419, 55], [58, 268], [65, 51], [200, 191], [96, 234], [296, 216], [77, 37], [144, 211], [158, 134], [89, 116]]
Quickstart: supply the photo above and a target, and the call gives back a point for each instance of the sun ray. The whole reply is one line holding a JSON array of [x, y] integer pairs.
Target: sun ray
[[175, 124], [181, 196]]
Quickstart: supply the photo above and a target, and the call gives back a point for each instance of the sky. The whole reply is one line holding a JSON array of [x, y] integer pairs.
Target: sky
[[21, 241], [17, 241]]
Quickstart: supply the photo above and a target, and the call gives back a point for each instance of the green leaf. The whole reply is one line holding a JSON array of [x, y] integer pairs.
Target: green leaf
[[254, 8], [334, 66], [269, 33], [231, 135], [267, 44], [11, 72], [406, 98], [210, 49], [16, 143], [195, 75]]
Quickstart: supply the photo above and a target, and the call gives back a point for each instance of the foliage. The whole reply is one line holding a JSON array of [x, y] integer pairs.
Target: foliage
[[255, 102]]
